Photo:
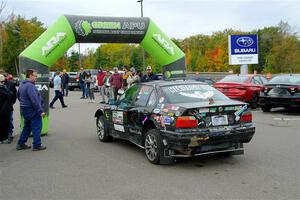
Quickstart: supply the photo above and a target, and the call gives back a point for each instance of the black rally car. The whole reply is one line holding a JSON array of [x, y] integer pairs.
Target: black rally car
[[281, 91], [177, 119]]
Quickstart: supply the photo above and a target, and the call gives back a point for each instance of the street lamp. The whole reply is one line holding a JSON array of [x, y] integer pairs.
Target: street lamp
[[143, 51]]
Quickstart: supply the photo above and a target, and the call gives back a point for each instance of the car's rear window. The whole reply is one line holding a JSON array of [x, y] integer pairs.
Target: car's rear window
[[288, 79], [235, 79], [188, 93]]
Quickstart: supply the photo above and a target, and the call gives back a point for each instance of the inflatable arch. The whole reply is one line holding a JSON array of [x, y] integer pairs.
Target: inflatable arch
[[70, 29]]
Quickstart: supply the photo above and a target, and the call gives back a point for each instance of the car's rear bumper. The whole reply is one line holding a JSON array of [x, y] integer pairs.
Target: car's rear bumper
[[239, 97], [279, 102], [208, 141]]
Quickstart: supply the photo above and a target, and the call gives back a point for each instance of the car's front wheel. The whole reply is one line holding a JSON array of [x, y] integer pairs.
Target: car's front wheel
[[102, 130]]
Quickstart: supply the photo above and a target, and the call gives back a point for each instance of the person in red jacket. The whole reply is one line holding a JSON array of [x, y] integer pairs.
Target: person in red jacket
[[100, 84], [116, 81]]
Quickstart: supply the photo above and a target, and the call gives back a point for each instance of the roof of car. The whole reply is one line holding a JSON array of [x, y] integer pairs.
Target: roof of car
[[245, 75], [288, 75], [171, 82]]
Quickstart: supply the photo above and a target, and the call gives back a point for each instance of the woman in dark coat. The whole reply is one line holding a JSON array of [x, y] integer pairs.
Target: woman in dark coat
[[5, 110]]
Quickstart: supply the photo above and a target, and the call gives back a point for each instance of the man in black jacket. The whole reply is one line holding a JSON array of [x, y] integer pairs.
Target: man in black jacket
[[6, 108], [11, 86], [65, 83]]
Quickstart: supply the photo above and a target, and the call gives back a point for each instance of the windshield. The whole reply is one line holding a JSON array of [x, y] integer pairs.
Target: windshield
[[188, 93], [235, 79], [288, 79]]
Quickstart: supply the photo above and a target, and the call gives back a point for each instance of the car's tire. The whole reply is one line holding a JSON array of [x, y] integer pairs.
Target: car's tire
[[154, 148], [266, 108], [102, 130], [254, 101]]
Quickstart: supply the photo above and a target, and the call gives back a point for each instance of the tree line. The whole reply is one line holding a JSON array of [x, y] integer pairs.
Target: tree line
[[279, 50]]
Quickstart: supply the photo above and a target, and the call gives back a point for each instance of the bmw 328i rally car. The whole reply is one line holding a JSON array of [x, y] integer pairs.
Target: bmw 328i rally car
[[171, 119]]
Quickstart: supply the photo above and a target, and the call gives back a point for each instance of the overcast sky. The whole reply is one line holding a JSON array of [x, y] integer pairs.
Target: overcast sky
[[177, 18]]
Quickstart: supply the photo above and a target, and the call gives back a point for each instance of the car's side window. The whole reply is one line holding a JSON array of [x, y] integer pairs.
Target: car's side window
[[127, 99], [143, 95], [152, 99]]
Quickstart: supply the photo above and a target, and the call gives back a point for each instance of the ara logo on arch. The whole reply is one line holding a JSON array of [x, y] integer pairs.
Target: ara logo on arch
[[53, 43], [164, 43]]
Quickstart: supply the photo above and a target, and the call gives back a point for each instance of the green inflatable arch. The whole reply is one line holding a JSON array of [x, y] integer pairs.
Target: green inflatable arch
[[70, 29]]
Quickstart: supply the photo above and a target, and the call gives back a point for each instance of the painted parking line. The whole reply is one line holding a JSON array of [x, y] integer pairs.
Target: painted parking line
[[286, 119]]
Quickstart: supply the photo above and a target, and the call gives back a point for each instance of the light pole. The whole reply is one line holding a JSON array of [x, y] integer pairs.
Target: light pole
[[79, 55], [143, 51]]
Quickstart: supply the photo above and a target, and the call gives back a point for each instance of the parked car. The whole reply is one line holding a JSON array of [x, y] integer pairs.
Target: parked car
[[281, 91], [73, 81], [170, 119], [242, 87], [14, 79], [203, 79]]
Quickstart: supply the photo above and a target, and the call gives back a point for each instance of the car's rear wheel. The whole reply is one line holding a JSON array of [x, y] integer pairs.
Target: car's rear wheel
[[153, 146], [254, 101], [266, 108], [102, 130]]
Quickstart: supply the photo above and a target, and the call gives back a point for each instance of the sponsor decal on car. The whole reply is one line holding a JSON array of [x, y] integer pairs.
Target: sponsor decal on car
[[118, 127], [240, 112], [117, 117]]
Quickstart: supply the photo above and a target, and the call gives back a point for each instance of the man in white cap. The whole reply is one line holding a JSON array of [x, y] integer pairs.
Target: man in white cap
[[149, 76]]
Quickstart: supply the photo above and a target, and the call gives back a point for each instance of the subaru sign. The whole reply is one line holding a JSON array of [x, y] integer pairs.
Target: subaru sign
[[243, 49]]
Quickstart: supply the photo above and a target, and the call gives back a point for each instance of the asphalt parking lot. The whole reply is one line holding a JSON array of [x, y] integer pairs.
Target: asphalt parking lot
[[77, 166]]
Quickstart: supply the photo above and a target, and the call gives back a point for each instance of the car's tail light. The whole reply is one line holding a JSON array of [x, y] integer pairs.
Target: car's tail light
[[294, 89], [246, 117], [266, 89], [186, 122]]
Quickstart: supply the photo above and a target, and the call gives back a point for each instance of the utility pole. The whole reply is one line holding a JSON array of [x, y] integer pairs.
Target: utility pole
[[79, 55]]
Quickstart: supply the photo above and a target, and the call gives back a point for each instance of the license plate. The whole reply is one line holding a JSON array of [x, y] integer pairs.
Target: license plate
[[219, 120]]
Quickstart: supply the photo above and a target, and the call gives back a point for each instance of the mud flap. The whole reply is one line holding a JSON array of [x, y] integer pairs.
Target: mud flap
[[239, 152], [165, 159]]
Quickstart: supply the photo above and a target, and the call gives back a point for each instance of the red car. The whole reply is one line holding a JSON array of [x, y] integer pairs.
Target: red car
[[242, 87]]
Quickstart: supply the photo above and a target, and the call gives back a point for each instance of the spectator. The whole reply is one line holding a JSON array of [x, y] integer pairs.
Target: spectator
[[90, 82], [82, 75], [11, 86], [65, 83], [32, 112], [126, 74], [149, 76], [101, 84], [5, 110], [108, 89], [134, 77], [115, 82], [57, 90]]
